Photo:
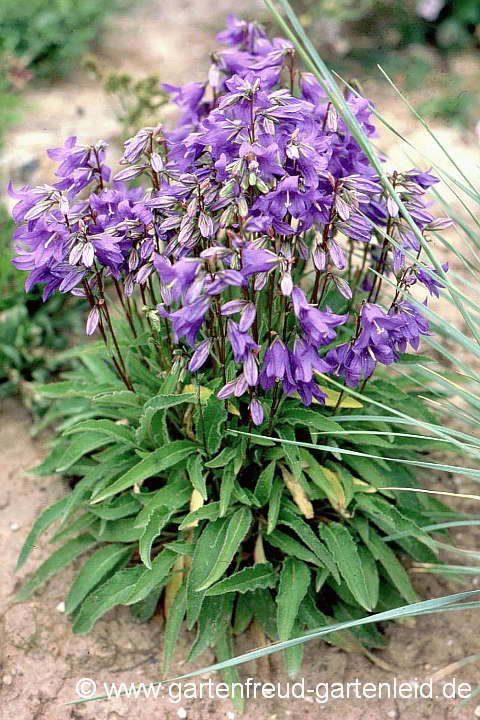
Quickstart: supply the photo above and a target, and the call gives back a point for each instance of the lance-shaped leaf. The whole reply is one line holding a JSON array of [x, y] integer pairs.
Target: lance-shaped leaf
[[174, 623], [114, 591], [294, 582], [305, 533], [344, 550], [155, 462], [261, 575], [94, 571], [238, 527], [156, 522], [41, 524], [154, 578], [156, 404], [214, 416], [264, 484], [381, 552], [196, 474], [206, 553], [109, 428], [60, 558]]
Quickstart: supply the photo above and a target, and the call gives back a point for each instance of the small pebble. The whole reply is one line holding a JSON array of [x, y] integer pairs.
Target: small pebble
[[230, 715], [450, 642], [309, 699], [182, 713], [7, 679], [14, 527], [60, 607], [477, 711], [427, 666], [392, 714]]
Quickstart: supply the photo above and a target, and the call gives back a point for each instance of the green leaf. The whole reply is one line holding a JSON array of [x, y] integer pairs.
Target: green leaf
[[121, 507], [214, 416], [81, 446], [156, 522], [305, 533], [60, 389], [290, 546], [293, 656], [226, 489], [155, 463], [196, 475], [265, 611], [57, 561], [48, 466], [104, 427], [76, 526], [154, 578], [145, 609], [174, 623], [214, 619], [260, 575], [313, 618], [263, 488], [173, 496], [291, 451], [308, 418], [223, 458], [206, 512], [122, 531], [294, 582], [274, 505], [387, 558], [370, 572], [367, 469], [115, 591], [224, 651], [94, 570], [243, 613], [238, 527], [41, 524], [388, 518], [344, 550], [157, 403], [244, 495], [206, 553], [120, 398]]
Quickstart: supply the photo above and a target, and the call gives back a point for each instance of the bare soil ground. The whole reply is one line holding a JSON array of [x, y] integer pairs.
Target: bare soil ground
[[40, 660]]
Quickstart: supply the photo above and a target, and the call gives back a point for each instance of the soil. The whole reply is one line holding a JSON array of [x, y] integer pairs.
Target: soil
[[40, 660]]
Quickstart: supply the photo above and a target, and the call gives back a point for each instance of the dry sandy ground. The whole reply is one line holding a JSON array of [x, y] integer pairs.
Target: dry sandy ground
[[40, 660]]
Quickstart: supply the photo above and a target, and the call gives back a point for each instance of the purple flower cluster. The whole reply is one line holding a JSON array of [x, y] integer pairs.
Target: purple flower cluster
[[260, 182]]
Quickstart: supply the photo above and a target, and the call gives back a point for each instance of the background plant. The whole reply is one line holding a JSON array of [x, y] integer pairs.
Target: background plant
[[334, 514], [50, 36]]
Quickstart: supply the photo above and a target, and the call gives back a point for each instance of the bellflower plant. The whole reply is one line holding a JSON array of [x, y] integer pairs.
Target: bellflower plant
[[262, 271]]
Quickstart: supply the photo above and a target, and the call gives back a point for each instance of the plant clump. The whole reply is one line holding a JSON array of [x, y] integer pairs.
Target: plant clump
[[233, 446]]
